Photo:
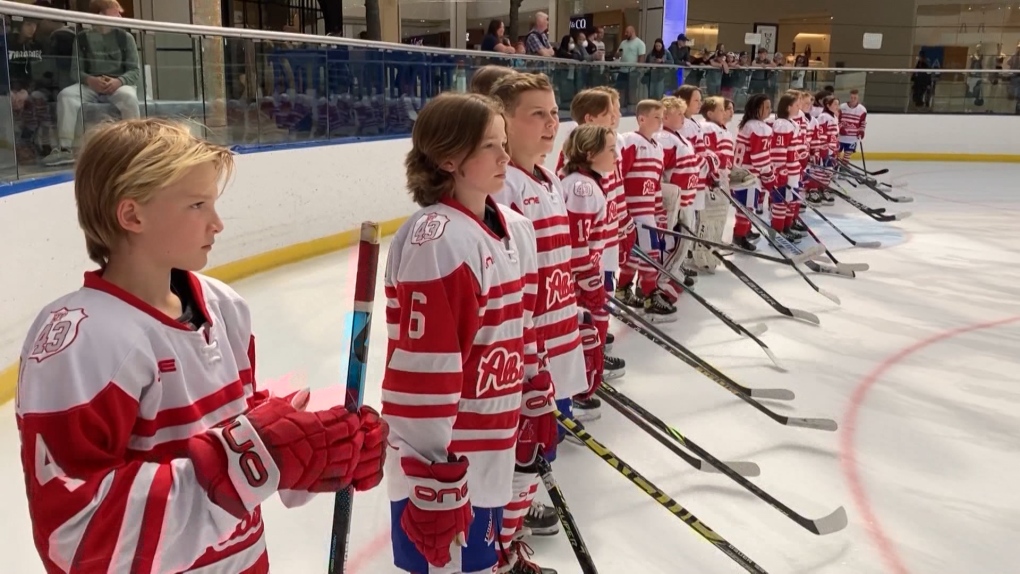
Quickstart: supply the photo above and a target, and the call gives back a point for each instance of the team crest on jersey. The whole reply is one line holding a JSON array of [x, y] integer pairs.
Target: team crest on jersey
[[57, 334], [584, 189], [648, 187], [499, 370], [559, 287], [429, 227]]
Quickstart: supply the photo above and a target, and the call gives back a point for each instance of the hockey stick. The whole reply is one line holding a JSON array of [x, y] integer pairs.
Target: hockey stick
[[819, 247], [566, 518], [844, 267], [876, 185], [635, 321], [657, 429], [736, 327], [834, 522], [869, 211], [808, 254], [862, 244], [756, 221], [746, 280], [575, 428], [357, 366]]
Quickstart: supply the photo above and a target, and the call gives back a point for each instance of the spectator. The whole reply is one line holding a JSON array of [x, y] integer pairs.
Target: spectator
[[494, 40], [29, 94], [537, 41], [657, 76], [108, 72], [596, 44], [680, 51]]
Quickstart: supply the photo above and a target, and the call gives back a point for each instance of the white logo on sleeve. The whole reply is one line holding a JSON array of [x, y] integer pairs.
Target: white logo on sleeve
[[57, 333], [429, 227]]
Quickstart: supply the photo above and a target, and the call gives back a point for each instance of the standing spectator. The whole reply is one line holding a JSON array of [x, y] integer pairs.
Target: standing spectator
[[631, 51], [494, 40], [107, 72], [537, 41], [29, 94], [761, 73], [680, 51], [596, 44], [657, 76], [921, 82]]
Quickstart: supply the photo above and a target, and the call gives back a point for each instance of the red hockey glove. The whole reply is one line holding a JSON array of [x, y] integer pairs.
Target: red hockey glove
[[276, 446], [591, 291], [594, 357], [369, 471], [438, 513], [768, 181], [537, 427]]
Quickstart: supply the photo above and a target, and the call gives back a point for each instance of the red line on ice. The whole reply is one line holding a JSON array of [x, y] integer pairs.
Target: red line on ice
[[848, 448]]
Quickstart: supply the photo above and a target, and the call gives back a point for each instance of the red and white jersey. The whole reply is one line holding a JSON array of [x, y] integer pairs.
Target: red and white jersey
[[616, 205], [682, 165], [110, 390], [589, 213], [826, 135], [458, 351], [641, 165], [753, 149], [720, 141], [694, 133], [541, 202], [784, 153], [802, 139], [852, 122]]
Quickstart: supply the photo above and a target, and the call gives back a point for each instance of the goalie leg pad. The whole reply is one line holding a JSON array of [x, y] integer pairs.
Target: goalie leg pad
[[711, 226]]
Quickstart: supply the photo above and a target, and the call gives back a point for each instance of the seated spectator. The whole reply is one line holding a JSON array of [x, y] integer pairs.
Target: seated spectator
[[107, 72]]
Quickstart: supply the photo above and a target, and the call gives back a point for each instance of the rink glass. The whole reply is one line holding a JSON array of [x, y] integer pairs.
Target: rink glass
[[251, 88]]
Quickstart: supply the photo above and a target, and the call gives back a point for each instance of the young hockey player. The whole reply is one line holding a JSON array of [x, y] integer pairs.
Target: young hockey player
[[641, 166], [590, 156], [681, 177], [531, 189], [824, 147], [719, 140], [145, 442], [600, 106], [464, 389], [485, 77], [786, 165], [752, 154], [853, 118]]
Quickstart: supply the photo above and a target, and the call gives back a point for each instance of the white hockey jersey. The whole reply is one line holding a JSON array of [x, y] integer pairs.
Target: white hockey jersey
[[541, 202], [110, 389], [589, 214], [461, 343]]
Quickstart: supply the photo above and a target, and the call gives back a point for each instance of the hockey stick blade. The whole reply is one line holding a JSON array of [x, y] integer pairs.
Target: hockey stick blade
[[741, 468], [830, 296], [809, 253], [868, 244], [903, 199], [834, 522], [816, 424], [805, 316], [818, 267], [854, 266], [758, 329], [901, 216], [773, 394]]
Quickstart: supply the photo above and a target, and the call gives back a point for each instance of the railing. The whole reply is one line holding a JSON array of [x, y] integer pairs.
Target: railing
[[250, 88]]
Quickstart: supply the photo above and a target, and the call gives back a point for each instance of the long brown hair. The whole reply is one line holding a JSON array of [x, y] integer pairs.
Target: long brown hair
[[450, 126]]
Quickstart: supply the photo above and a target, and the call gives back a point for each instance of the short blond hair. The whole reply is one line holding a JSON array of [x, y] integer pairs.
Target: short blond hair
[[645, 107], [133, 159], [671, 103], [509, 88]]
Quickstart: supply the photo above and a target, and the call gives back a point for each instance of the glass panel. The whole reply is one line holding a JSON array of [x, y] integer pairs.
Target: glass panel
[[171, 81], [13, 97]]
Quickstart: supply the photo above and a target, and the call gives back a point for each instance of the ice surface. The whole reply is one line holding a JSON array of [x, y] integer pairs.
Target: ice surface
[[926, 467]]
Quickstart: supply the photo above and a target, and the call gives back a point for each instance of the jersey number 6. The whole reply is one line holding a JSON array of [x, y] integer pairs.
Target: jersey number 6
[[416, 326]]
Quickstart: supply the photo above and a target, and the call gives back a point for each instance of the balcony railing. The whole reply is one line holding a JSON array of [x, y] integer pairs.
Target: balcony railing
[[251, 88]]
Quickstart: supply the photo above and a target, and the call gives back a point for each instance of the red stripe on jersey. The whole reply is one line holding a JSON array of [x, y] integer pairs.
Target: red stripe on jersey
[[152, 521], [190, 413], [99, 541]]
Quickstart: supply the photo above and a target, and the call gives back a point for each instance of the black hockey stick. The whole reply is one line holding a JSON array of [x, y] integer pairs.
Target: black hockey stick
[[869, 211], [834, 522], [660, 431], [819, 247], [575, 428], [635, 321], [762, 227], [566, 518], [736, 327], [746, 280], [862, 244], [875, 185], [798, 259]]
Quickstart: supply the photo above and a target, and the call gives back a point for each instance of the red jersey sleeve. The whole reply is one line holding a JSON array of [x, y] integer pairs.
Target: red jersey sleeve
[[96, 506]]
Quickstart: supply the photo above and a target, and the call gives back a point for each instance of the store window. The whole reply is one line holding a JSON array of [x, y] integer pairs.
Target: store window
[[299, 16]]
